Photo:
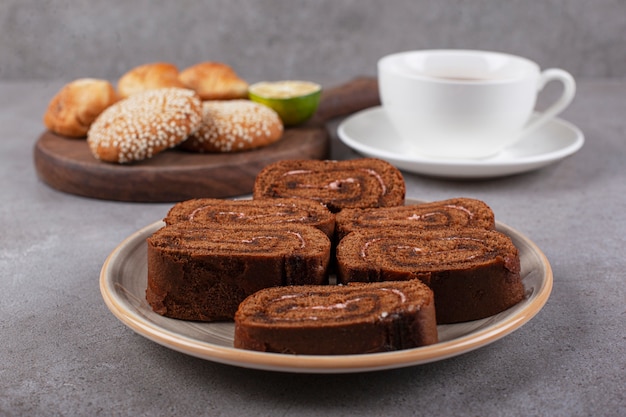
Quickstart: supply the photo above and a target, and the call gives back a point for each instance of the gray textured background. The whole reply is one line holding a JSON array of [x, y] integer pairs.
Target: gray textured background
[[325, 40], [63, 354]]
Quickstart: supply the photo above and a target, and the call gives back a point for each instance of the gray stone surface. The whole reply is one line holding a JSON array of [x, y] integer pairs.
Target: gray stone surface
[[64, 353], [325, 39]]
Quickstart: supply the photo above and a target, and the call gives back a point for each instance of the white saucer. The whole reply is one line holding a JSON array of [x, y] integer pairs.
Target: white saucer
[[370, 133]]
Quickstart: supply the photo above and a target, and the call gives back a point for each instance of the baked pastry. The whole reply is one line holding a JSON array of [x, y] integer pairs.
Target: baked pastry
[[214, 81], [337, 320], [150, 76], [356, 183], [210, 212], [234, 126], [474, 273], [145, 124], [451, 213], [74, 108], [203, 273]]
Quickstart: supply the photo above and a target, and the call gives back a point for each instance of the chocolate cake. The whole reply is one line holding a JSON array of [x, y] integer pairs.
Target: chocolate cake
[[210, 211], [357, 183], [336, 320], [474, 273], [452, 213], [203, 273]]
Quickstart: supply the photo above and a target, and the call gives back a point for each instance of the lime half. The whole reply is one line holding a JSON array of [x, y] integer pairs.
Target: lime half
[[294, 101]]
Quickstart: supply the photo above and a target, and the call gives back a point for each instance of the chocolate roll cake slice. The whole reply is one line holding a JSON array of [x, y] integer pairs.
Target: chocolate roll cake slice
[[337, 320], [210, 211], [203, 273], [357, 183], [452, 213], [474, 273]]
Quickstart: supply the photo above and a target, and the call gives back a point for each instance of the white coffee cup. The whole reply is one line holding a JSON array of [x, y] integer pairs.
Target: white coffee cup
[[465, 103]]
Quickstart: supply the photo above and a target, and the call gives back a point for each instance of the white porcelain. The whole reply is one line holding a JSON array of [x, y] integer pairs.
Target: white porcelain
[[465, 103], [370, 133], [123, 286]]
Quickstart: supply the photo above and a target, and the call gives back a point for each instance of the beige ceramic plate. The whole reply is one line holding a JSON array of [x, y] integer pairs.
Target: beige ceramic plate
[[123, 285]]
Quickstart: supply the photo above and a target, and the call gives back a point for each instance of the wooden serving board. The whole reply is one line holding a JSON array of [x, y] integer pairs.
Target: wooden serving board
[[174, 175]]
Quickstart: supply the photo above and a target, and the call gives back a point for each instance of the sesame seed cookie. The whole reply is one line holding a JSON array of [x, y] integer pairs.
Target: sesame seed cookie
[[145, 124], [235, 126]]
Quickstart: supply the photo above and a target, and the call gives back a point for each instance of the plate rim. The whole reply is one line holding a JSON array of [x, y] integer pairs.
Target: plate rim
[[472, 167], [317, 363]]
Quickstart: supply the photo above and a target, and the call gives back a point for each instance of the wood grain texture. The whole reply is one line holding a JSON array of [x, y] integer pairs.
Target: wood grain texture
[[175, 175]]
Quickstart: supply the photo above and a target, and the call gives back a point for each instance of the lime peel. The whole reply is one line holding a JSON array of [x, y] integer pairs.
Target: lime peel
[[294, 101]]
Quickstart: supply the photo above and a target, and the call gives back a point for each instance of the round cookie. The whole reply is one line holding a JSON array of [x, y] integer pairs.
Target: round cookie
[[74, 108], [145, 124], [214, 81], [235, 126], [149, 77]]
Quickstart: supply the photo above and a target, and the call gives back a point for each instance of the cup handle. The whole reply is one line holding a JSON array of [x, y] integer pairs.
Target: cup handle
[[569, 90]]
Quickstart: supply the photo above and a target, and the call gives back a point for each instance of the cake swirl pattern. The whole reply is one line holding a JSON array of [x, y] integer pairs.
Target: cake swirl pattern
[[337, 184], [329, 305], [242, 241], [356, 318], [452, 213], [396, 250], [207, 211]]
